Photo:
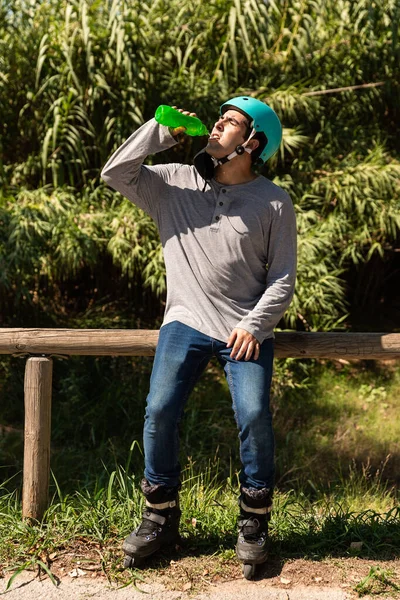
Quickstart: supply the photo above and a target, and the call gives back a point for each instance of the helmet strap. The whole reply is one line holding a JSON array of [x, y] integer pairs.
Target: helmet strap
[[241, 149], [252, 134]]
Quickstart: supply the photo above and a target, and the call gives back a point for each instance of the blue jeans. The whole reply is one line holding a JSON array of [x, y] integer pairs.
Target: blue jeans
[[182, 355]]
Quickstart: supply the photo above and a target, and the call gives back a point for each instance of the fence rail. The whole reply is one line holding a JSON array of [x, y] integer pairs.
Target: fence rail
[[142, 342], [40, 345]]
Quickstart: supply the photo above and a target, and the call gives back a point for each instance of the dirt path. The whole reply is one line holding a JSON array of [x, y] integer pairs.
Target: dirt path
[[29, 588], [294, 580]]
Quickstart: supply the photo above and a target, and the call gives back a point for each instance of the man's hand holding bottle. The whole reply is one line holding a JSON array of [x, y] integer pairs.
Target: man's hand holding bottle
[[180, 121]]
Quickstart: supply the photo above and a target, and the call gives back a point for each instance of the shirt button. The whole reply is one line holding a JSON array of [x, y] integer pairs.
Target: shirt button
[[221, 203], [217, 218], [223, 191]]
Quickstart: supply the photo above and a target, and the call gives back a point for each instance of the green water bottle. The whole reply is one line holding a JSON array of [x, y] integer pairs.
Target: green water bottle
[[171, 117]]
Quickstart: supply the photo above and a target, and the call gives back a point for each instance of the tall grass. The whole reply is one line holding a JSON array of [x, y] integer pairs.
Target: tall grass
[[77, 78]]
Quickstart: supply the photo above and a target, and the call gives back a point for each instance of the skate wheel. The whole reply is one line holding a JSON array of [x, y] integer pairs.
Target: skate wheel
[[130, 562], [249, 570]]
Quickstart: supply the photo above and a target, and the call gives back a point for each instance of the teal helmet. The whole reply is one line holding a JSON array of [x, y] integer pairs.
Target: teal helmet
[[262, 119]]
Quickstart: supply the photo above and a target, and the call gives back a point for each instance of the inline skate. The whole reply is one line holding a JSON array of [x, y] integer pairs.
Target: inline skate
[[159, 526], [255, 512]]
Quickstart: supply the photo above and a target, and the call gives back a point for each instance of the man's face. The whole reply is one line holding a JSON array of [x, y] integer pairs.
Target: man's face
[[229, 131]]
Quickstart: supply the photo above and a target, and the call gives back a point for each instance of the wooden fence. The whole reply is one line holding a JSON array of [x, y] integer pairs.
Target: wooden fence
[[41, 345]]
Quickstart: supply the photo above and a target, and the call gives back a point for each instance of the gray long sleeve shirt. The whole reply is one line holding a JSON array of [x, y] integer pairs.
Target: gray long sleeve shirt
[[229, 251]]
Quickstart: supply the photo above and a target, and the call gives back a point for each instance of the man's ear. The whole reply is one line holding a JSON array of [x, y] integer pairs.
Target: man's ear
[[253, 144]]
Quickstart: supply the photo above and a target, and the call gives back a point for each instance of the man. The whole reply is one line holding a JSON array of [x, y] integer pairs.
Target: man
[[229, 241]]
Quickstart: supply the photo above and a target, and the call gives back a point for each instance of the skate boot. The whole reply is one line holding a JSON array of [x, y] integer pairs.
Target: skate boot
[[255, 512], [159, 526]]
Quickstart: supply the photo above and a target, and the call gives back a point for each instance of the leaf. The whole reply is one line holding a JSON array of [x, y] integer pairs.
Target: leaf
[[17, 572], [47, 570]]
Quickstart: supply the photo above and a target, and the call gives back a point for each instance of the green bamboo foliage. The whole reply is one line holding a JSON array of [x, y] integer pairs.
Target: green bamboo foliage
[[77, 77]]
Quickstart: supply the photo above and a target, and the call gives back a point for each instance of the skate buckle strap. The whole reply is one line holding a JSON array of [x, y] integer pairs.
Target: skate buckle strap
[[150, 516], [162, 506], [257, 511]]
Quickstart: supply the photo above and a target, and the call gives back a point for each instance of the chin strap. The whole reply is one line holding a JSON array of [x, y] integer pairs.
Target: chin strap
[[241, 149], [206, 164]]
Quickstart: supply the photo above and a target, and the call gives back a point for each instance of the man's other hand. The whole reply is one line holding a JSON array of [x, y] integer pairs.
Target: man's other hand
[[243, 345]]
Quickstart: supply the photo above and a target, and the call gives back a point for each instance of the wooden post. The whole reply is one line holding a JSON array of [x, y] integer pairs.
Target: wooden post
[[38, 384]]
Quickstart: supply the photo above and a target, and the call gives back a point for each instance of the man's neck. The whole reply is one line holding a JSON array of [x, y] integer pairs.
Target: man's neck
[[231, 173]]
